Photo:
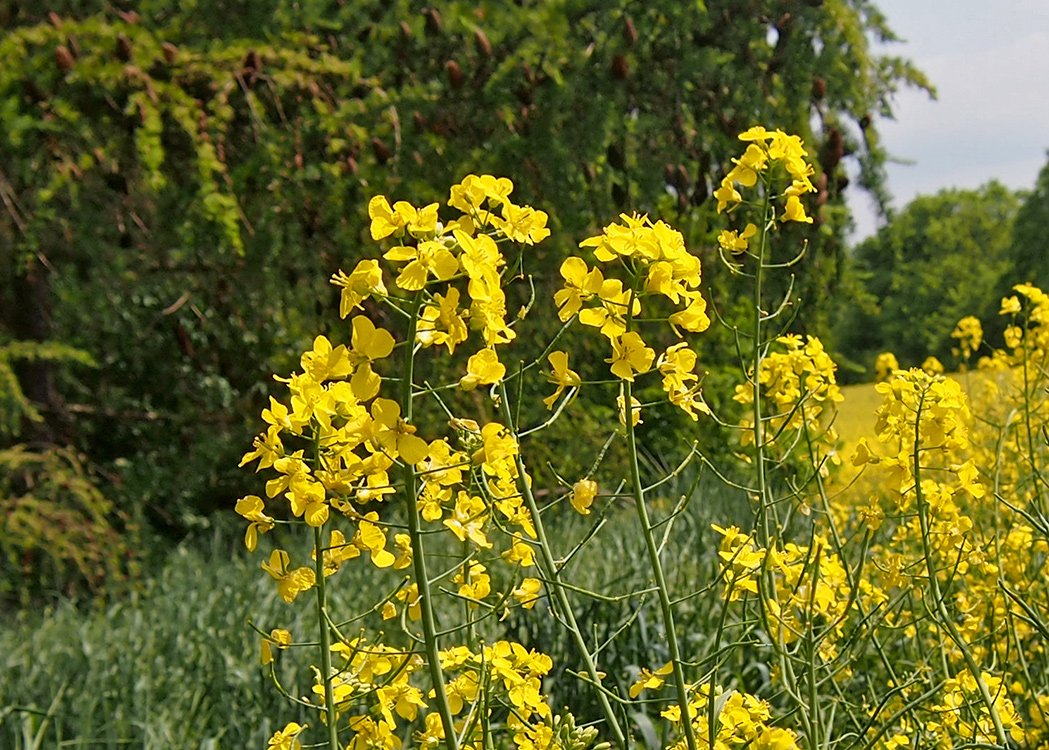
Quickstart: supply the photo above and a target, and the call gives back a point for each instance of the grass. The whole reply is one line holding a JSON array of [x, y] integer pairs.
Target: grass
[[175, 665]]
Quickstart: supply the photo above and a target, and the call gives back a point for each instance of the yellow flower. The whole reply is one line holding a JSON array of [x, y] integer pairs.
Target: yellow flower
[[364, 282], [251, 507], [441, 325], [635, 410], [473, 580], [522, 223], [528, 592], [468, 520], [287, 738], [693, 318], [630, 355], [1010, 306], [483, 368], [581, 285], [726, 195], [735, 242], [469, 194], [647, 680], [794, 211], [290, 583], [369, 343], [394, 435], [561, 375], [325, 362], [372, 538], [387, 221], [933, 366], [279, 638], [583, 494], [430, 258]]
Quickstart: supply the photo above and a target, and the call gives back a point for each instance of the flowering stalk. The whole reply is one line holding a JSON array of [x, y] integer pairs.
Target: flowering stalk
[[422, 579], [934, 584], [553, 577], [665, 606], [325, 641]]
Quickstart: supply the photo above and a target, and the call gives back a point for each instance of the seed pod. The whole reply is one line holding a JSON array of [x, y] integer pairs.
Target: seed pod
[[620, 67], [123, 49], [64, 58], [74, 46], [250, 67], [484, 46], [351, 166], [299, 161], [819, 88], [406, 31], [682, 181], [833, 150], [668, 173], [418, 120], [184, 343], [455, 73], [629, 31], [434, 23], [129, 17], [55, 19], [381, 150], [170, 52]]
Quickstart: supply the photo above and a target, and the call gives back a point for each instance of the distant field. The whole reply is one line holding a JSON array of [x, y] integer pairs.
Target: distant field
[[856, 413]]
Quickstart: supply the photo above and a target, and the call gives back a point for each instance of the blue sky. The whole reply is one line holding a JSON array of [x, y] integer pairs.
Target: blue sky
[[989, 60]]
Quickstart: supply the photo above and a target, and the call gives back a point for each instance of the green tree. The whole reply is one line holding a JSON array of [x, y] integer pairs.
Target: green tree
[[1030, 248], [943, 257], [179, 181]]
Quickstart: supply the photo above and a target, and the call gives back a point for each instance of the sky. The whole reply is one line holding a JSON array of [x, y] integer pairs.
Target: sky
[[989, 61]]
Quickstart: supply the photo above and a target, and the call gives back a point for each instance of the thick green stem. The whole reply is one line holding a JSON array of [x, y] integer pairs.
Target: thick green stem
[[411, 491], [325, 640], [549, 568], [657, 571]]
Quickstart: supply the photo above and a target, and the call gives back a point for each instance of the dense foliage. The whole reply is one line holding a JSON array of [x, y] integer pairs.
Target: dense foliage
[[179, 181], [941, 258]]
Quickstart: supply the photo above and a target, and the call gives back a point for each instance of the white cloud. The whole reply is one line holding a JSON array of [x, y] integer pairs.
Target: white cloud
[[990, 65]]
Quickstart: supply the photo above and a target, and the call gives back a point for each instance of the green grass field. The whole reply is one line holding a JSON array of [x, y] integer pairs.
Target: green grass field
[[176, 664]]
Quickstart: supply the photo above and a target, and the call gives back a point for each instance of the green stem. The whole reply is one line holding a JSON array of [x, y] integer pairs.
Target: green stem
[[411, 491], [552, 574], [657, 571], [325, 640]]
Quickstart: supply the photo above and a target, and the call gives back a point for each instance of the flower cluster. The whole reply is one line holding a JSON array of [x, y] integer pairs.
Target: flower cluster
[[766, 150], [809, 587], [796, 384], [657, 265]]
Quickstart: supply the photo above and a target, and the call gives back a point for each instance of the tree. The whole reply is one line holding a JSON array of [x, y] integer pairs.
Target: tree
[[179, 181], [943, 257], [1030, 249]]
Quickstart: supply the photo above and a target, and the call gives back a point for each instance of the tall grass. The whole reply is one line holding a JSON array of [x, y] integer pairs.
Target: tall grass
[[174, 665]]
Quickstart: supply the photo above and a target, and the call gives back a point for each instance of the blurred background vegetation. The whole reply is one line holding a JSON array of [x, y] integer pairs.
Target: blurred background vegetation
[[178, 181]]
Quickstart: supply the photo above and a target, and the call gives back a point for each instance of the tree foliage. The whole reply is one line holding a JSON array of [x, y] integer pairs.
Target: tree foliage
[[1030, 249], [180, 180], [943, 257]]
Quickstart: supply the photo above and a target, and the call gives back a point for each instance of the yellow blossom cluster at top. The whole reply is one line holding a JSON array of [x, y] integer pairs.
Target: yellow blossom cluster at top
[[765, 150], [657, 265]]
